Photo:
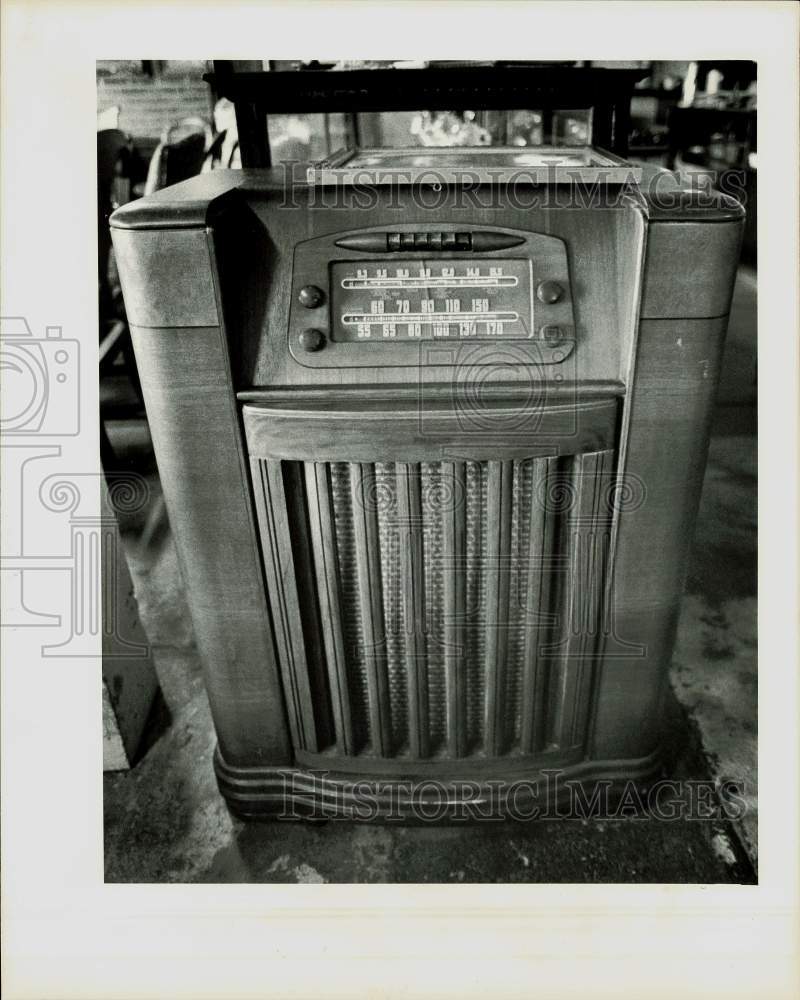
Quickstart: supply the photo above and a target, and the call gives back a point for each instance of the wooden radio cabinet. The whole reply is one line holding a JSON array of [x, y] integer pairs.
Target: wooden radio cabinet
[[432, 451]]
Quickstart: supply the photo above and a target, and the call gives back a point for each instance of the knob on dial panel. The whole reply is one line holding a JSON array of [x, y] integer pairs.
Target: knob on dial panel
[[550, 332], [310, 296], [312, 340], [549, 292]]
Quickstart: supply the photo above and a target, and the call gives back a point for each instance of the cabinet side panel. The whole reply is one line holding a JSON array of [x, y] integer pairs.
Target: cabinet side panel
[[677, 370], [193, 421], [166, 277], [690, 269]]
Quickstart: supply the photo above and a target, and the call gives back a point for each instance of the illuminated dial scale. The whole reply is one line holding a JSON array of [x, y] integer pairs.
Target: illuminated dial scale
[[422, 300]]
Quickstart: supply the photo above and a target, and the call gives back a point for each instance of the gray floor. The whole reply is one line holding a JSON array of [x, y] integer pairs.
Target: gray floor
[[165, 821]]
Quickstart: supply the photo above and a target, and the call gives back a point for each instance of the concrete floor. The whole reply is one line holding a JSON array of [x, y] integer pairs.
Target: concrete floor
[[165, 821]]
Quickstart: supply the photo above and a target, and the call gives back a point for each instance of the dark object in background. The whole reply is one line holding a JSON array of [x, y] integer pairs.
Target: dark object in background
[[545, 87], [720, 139], [737, 74], [179, 155], [116, 163]]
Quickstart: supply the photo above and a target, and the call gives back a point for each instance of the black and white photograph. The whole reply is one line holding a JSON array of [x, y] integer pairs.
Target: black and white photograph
[[442, 420], [399, 499]]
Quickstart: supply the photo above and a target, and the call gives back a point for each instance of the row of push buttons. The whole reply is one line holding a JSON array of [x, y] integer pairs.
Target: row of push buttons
[[429, 241]]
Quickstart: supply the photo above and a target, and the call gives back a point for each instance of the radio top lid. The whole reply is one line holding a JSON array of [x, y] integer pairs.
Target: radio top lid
[[455, 165]]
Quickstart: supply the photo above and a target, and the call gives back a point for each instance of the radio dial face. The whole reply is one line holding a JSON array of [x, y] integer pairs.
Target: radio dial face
[[431, 299], [398, 297]]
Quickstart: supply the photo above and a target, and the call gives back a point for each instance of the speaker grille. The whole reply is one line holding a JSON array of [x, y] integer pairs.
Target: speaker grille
[[456, 604]]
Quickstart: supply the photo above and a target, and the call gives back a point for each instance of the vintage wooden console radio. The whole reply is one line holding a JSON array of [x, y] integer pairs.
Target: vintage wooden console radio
[[432, 445]]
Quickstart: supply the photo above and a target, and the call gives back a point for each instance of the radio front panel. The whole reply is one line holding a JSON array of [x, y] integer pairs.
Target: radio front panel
[[281, 274], [418, 470], [372, 298]]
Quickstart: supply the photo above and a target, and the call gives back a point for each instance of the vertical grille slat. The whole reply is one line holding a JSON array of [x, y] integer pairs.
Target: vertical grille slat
[[597, 470], [561, 676], [454, 516], [410, 531], [581, 596], [513, 694], [475, 586], [279, 567], [391, 544], [498, 521], [433, 491], [537, 603], [436, 610], [370, 590], [323, 540]]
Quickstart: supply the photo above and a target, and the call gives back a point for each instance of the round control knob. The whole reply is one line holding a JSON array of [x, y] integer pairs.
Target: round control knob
[[549, 292], [312, 340], [310, 296]]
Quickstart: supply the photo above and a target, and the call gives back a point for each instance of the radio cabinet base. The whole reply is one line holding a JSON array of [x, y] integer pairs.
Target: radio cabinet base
[[582, 790]]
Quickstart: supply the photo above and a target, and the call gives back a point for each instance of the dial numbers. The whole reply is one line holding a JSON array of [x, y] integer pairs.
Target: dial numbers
[[431, 300]]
